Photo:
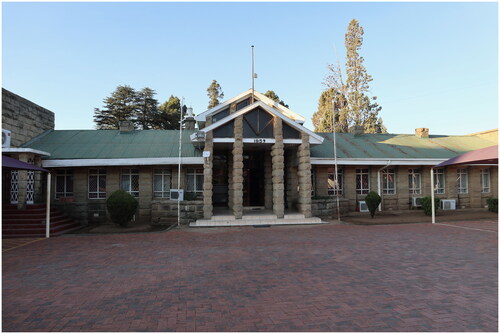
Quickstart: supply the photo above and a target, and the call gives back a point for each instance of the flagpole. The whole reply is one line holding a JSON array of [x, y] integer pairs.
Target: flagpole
[[335, 157], [179, 171]]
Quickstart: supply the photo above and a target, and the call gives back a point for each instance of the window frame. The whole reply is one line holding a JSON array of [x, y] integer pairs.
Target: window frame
[[130, 173], [97, 174], [163, 173], [386, 173], [461, 173], [412, 173], [360, 172], [195, 172], [483, 172], [67, 174], [439, 173], [340, 177]]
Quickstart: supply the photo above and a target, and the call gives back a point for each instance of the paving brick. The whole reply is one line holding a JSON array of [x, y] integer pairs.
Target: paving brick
[[416, 277]]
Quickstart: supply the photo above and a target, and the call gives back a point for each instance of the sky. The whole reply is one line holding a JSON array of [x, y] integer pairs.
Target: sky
[[434, 65]]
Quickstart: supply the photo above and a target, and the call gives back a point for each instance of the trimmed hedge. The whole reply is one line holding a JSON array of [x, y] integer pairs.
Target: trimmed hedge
[[427, 205], [121, 207], [492, 204], [373, 200]]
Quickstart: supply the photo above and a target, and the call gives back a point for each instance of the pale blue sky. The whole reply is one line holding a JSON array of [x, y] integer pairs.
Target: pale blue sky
[[434, 65]]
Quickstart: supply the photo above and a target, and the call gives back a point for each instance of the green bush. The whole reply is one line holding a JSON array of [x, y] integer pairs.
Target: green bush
[[427, 205], [492, 204], [121, 207], [372, 202]]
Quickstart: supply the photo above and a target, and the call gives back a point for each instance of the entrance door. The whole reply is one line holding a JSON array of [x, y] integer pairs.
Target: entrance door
[[253, 178], [219, 179]]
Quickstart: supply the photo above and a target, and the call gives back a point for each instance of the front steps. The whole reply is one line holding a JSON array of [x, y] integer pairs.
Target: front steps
[[30, 222], [256, 220]]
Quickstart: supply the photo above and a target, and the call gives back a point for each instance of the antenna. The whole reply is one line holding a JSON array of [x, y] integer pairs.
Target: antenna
[[253, 77]]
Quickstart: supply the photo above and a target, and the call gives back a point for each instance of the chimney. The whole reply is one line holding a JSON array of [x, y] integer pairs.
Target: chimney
[[422, 132], [357, 130], [126, 126], [189, 121]]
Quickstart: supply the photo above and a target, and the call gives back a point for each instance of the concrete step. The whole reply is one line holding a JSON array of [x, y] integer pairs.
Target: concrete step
[[255, 222]]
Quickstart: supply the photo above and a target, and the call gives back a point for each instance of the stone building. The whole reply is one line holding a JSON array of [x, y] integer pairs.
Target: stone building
[[250, 159]]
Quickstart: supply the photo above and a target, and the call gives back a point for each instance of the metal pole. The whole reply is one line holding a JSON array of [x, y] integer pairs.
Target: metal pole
[[335, 157], [432, 197], [179, 170], [47, 217], [253, 77]]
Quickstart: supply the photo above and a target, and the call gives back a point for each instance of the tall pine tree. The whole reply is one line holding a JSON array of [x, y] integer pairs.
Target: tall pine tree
[[214, 92], [169, 114], [322, 119], [355, 106], [120, 106], [146, 108]]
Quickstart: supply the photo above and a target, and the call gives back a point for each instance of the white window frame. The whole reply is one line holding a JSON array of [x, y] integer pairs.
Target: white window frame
[[414, 181], [194, 172], [97, 173], [162, 173], [130, 173], [485, 176], [439, 187], [340, 177], [386, 183], [67, 175], [462, 179], [360, 173]]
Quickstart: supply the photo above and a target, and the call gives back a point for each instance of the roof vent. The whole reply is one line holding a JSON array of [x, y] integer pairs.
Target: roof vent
[[422, 132], [126, 126], [357, 130]]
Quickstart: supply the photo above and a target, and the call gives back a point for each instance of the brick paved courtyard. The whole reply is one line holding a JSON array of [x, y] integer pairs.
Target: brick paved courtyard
[[415, 277]]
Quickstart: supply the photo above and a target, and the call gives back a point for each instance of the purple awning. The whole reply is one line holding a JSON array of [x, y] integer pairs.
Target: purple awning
[[483, 156], [11, 163]]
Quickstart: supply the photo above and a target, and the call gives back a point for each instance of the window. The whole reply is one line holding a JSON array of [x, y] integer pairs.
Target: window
[[130, 181], [195, 180], [485, 180], [462, 179], [439, 181], [389, 181], [362, 181], [64, 183], [414, 181], [162, 181], [332, 189], [313, 183], [97, 183]]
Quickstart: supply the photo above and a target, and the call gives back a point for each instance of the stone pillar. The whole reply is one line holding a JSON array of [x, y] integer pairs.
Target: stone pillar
[[278, 159], [268, 181], [207, 176], [230, 180], [304, 173], [292, 182], [238, 168]]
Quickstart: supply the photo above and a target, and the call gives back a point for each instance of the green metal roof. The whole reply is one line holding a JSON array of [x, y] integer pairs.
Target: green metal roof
[[397, 146], [113, 144]]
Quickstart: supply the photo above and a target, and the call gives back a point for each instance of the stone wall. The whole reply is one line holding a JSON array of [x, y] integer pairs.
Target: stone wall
[[327, 207], [165, 211], [23, 118]]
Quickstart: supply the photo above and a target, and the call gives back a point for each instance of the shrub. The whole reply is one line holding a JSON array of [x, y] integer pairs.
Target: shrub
[[121, 207], [427, 205], [492, 204], [372, 202]]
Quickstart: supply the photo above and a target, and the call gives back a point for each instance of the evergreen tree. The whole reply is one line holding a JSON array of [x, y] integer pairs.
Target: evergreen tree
[[120, 106], [273, 96], [168, 115], [322, 119], [358, 108], [147, 108], [214, 92]]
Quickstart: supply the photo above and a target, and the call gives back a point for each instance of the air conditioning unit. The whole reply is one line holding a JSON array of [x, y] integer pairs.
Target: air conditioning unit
[[175, 194], [448, 204], [5, 138], [416, 202], [362, 206]]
